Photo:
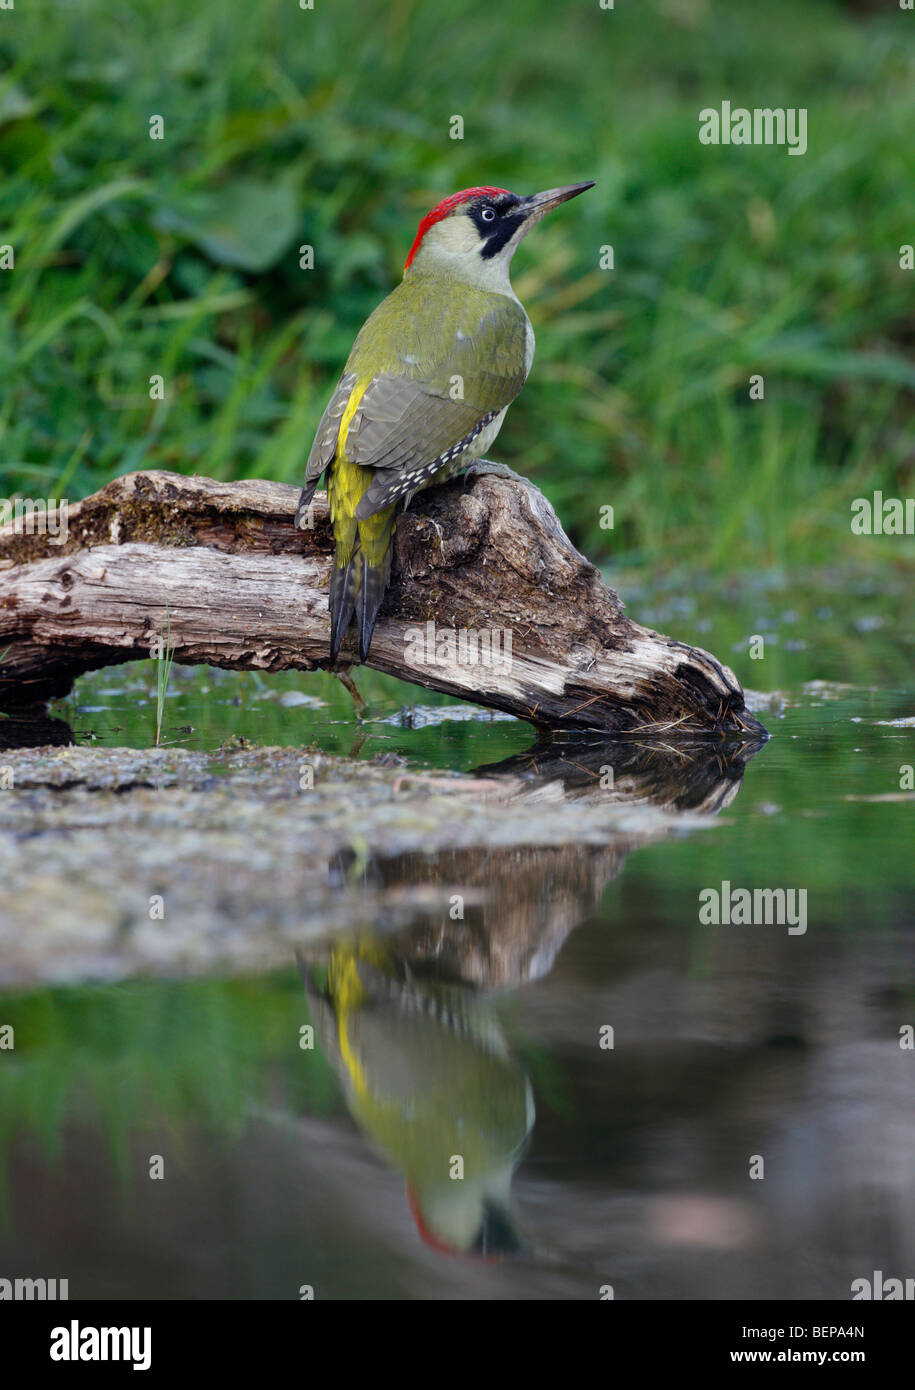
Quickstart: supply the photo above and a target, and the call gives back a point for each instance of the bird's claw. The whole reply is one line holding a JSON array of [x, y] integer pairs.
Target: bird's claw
[[481, 468]]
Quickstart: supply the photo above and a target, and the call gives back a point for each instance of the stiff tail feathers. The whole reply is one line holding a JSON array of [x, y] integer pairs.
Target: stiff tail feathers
[[368, 601], [344, 588], [356, 591], [357, 586]]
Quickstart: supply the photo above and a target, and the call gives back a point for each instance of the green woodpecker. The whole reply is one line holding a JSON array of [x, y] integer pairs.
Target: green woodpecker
[[429, 1078], [425, 388]]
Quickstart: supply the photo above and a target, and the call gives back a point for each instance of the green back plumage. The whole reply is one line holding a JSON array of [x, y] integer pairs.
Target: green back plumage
[[432, 367]]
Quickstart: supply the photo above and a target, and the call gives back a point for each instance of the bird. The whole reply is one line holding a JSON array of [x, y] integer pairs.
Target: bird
[[425, 389], [429, 1078]]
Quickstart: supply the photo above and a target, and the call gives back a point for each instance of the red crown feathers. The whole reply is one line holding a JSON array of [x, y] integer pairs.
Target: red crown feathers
[[443, 208]]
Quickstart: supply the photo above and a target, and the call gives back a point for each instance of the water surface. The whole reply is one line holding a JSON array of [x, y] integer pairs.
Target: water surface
[[749, 1134]]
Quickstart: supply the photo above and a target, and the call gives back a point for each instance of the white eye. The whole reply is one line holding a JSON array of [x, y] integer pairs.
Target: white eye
[[488, 215]]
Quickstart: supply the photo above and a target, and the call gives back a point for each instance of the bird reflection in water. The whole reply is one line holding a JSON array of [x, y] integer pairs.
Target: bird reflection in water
[[430, 1079], [408, 1020]]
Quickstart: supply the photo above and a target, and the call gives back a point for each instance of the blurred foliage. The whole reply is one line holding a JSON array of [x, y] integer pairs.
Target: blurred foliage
[[330, 127], [135, 1054]]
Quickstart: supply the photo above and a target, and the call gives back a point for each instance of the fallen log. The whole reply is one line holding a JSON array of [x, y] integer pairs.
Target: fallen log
[[489, 601]]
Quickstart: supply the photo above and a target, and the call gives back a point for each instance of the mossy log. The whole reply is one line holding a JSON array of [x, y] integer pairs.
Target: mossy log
[[489, 601]]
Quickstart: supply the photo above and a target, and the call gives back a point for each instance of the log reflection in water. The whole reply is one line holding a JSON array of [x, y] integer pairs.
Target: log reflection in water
[[505, 912]]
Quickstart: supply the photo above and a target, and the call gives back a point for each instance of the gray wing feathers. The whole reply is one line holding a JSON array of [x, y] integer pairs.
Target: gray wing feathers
[[325, 445], [405, 422], [390, 484]]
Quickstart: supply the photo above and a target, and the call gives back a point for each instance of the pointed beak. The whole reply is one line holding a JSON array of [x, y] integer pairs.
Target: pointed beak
[[538, 204]]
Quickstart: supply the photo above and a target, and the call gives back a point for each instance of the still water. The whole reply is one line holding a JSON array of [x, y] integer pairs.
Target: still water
[[534, 1071]]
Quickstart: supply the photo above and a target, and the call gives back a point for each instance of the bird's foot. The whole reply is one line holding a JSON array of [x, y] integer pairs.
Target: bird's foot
[[346, 680], [481, 468]]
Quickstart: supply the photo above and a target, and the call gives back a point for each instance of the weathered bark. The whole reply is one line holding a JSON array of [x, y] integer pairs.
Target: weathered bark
[[221, 569]]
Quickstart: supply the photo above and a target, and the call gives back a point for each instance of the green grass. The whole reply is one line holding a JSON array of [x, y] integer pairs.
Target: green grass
[[329, 127]]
